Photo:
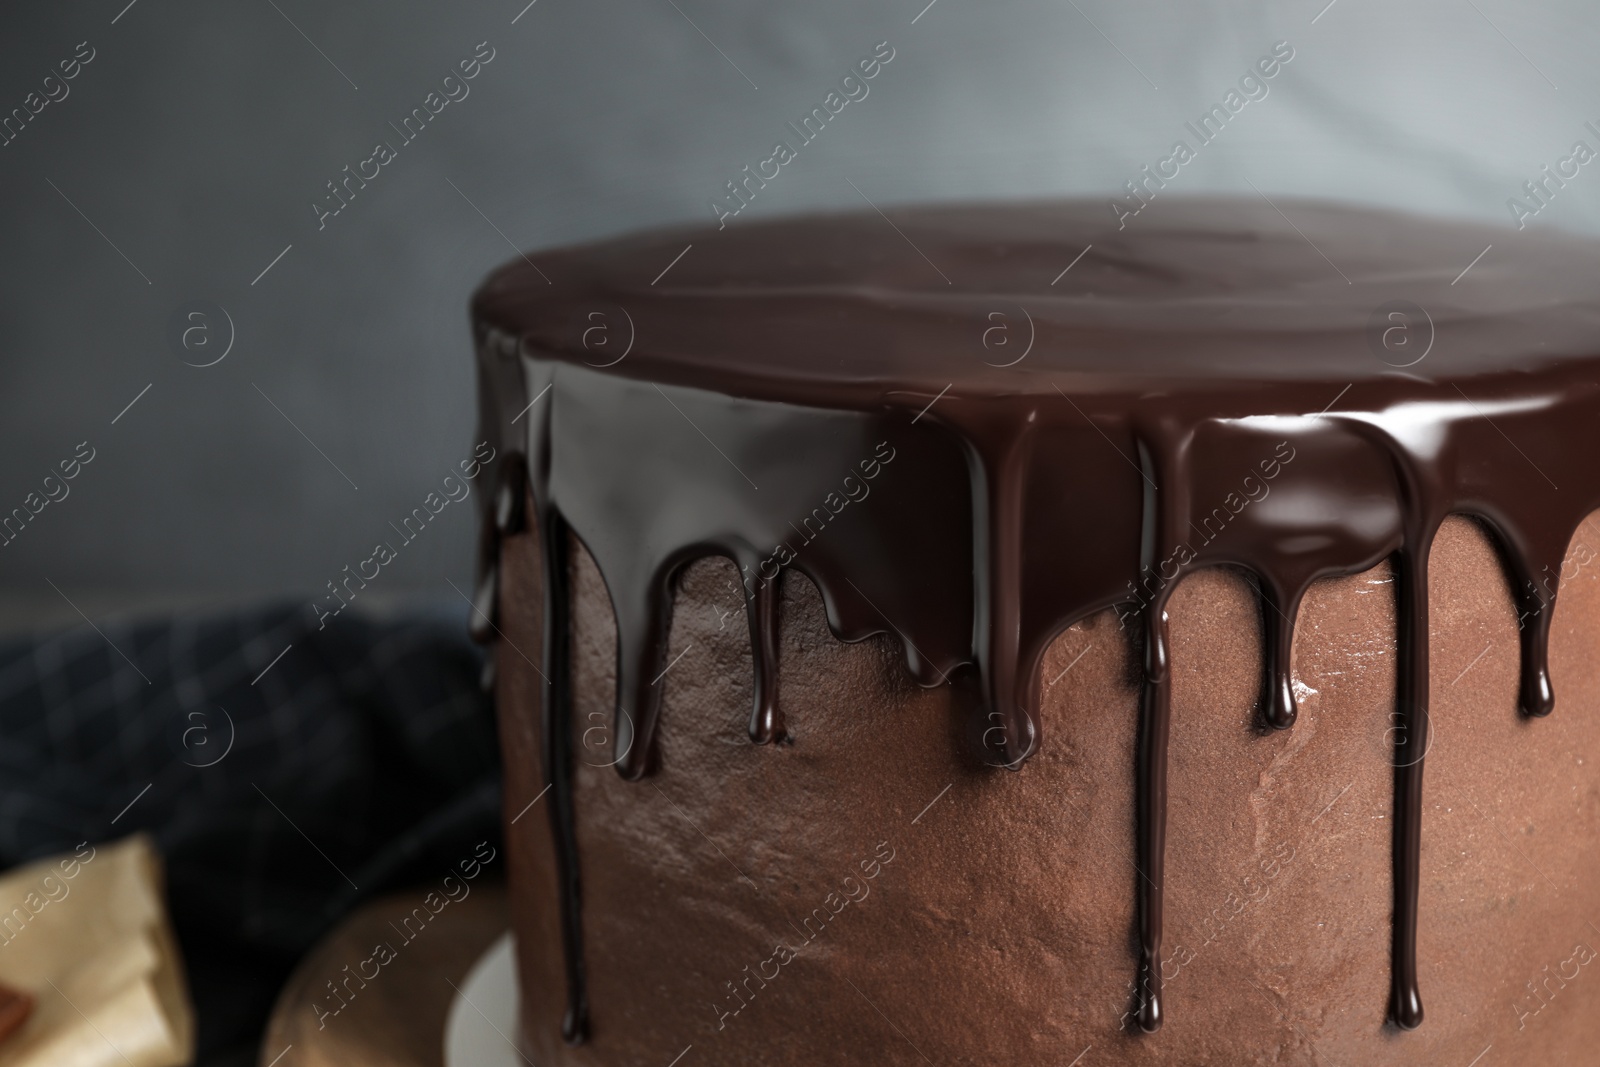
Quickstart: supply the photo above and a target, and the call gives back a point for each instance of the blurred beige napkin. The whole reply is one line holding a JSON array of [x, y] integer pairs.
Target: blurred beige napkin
[[87, 935]]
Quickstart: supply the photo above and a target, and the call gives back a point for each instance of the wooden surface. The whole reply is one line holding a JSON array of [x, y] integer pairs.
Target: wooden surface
[[397, 1018]]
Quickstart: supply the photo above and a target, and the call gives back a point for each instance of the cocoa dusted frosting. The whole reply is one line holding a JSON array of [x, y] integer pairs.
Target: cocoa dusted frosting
[[970, 456]]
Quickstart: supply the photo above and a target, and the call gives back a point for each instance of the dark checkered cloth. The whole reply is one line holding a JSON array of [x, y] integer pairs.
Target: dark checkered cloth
[[282, 791]]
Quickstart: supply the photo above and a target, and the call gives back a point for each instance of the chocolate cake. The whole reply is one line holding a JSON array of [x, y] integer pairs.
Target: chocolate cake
[[1106, 592]]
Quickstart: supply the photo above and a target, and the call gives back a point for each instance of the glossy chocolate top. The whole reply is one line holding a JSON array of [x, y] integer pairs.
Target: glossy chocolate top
[[853, 309], [973, 426]]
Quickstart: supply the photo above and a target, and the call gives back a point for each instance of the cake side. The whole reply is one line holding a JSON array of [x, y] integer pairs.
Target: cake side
[[1003, 926]]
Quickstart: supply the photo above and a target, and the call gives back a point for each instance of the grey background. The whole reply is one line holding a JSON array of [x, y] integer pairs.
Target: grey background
[[197, 139]]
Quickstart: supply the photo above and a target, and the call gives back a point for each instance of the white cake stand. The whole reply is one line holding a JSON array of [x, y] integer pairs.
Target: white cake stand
[[481, 1029]]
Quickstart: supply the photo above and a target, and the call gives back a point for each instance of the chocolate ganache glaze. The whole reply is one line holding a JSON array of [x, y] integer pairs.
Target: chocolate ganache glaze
[[968, 455]]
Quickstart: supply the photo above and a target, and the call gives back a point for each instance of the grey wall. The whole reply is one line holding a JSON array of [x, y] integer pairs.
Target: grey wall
[[199, 136]]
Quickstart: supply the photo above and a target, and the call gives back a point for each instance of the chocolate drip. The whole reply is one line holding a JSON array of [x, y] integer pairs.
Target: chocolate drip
[[1278, 613], [524, 467], [1165, 449], [1411, 746], [536, 456], [997, 464], [641, 667], [761, 609], [556, 753], [1155, 726], [1535, 593], [1199, 394], [1536, 695], [1420, 473]]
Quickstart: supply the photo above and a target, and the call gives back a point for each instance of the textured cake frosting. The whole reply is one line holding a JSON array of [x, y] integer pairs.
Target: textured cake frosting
[[971, 458]]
